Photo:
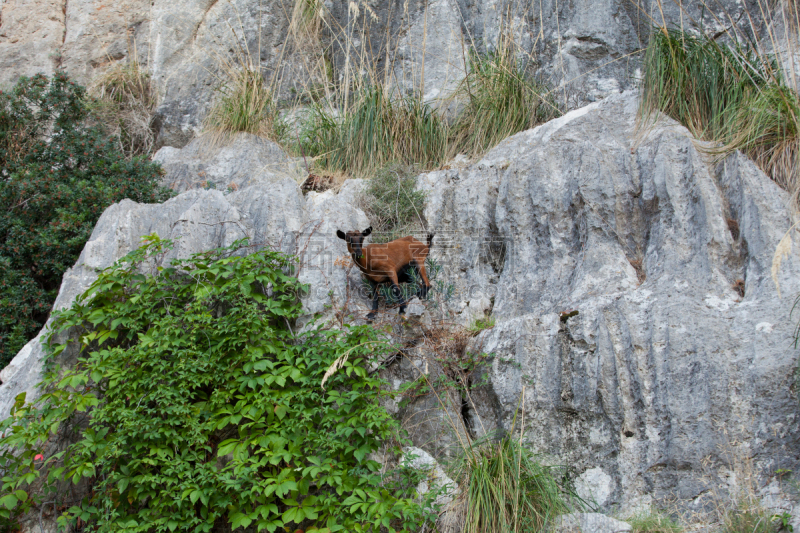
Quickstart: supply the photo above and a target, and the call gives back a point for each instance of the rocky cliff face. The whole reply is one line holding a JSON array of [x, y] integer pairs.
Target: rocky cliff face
[[681, 352], [590, 49]]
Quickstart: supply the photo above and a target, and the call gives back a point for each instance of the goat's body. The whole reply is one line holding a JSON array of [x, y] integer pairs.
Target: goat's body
[[383, 263], [393, 262]]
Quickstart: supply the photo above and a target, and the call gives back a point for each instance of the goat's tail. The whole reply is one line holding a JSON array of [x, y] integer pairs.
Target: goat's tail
[[430, 240]]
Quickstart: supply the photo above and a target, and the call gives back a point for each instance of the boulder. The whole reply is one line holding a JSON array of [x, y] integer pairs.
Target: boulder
[[437, 479]]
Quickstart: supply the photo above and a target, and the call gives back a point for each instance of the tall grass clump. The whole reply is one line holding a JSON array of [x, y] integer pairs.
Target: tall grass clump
[[725, 93], [502, 98], [766, 127], [307, 18], [123, 104], [376, 130], [506, 489], [748, 517], [245, 104]]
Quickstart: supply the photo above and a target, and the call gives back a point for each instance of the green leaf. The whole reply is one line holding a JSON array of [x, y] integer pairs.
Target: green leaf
[[9, 501]]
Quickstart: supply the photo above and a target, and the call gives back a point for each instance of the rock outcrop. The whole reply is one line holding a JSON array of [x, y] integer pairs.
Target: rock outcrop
[[244, 161], [271, 213], [681, 352]]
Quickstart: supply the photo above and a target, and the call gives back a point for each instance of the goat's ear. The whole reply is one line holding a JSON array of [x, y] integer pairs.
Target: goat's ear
[[367, 231], [340, 234]]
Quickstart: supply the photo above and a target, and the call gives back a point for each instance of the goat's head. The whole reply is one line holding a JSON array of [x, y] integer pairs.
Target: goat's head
[[354, 240]]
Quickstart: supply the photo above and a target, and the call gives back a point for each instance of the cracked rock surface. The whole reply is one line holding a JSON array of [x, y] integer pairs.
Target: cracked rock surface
[[667, 367]]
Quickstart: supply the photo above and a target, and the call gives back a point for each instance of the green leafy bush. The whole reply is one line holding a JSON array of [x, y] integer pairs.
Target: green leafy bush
[[57, 175], [206, 408]]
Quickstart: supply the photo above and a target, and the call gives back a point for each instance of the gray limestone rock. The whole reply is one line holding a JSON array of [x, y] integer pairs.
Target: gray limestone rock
[[667, 364], [193, 45], [590, 523], [430, 55], [681, 352], [589, 49], [31, 33], [437, 478], [242, 161]]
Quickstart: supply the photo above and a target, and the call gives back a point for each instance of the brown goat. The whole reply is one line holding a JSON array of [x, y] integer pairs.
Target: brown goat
[[392, 262]]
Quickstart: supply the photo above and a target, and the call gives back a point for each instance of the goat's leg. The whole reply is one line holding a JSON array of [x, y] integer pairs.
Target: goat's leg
[[397, 293], [426, 285], [374, 312]]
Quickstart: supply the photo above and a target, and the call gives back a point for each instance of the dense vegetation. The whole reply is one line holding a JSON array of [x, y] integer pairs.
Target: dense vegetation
[[206, 408], [499, 96], [57, 175]]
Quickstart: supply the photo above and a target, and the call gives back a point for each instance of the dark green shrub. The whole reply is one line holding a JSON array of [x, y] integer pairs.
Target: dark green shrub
[[207, 409], [57, 175]]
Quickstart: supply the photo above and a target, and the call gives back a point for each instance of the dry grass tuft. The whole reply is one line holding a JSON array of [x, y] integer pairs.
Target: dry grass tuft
[[245, 104], [730, 94], [123, 104], [653, 521]]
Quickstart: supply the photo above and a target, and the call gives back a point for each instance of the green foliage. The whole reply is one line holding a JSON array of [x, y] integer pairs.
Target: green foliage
[[506, 489], [376, 131], [481, 324], [392, 203], [727, 93], [783, 522], [653, 521], [57, 175], [206, 409], [502, 99]]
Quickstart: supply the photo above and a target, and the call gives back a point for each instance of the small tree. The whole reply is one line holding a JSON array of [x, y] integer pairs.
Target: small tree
[[206, 408], [57, 176]]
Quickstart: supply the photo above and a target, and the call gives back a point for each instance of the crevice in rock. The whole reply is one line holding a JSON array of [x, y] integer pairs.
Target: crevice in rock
[[465, 415], [64, 11], [196, 29], [496, 251]]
